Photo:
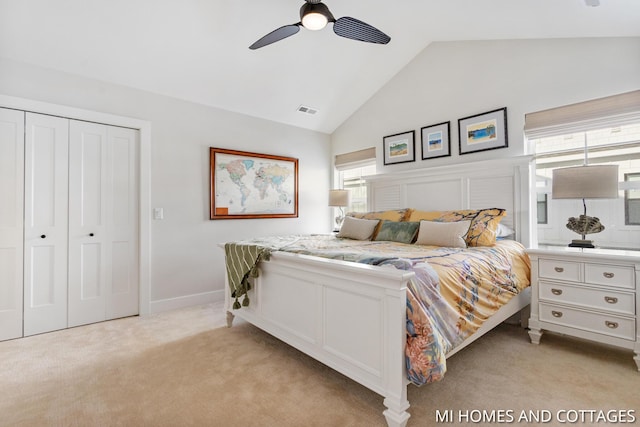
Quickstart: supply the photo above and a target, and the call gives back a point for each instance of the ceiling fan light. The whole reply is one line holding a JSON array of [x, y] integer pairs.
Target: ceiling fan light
[[314, 21], [315, 16]]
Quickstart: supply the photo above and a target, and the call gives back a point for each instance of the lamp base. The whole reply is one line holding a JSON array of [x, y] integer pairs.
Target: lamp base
[[577, 243]]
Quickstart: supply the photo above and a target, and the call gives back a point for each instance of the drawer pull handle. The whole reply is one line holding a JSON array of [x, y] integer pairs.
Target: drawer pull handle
[[611, 325], [556, 313], [556, 291], [559, 269], [611, 300], [608, 275]]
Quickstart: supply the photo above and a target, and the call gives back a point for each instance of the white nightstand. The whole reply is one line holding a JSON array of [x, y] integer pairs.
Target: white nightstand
[[586, 293]]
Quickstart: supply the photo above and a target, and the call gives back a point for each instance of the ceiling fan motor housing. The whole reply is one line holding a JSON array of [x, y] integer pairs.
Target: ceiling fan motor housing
[[317, 7]]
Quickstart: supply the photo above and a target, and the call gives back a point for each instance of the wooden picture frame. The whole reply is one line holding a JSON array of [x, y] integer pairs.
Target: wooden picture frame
[[247, 185], [399, 148], [485, 131], [436, 140]]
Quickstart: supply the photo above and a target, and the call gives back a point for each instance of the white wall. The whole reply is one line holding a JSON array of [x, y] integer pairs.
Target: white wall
[[452, 80], [186, 265]]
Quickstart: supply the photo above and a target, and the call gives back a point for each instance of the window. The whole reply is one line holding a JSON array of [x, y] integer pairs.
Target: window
[[351, 179], [542, 208], [599, 132], [351, 168], [632, 200]]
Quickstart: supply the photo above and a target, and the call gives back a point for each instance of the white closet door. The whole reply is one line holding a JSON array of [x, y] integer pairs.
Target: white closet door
[[88, 229], [11, 221], [123, 298], [45, 227], [103, 249]]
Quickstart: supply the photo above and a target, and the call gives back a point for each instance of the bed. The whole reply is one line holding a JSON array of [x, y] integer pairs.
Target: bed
[[352, 304]]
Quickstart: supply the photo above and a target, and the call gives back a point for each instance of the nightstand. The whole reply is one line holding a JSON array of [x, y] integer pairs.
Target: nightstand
[[586, 293]]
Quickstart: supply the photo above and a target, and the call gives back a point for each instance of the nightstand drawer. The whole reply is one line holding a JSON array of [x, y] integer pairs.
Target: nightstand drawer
[[607, 300], [615, 326], [611, 275], [559, 270]]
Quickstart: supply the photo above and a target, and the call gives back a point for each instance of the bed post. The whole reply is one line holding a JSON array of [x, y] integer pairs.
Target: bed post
[[395, 398], [230, 317]]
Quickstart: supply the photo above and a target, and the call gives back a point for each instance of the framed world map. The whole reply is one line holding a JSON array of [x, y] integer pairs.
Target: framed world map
[[251, 185]]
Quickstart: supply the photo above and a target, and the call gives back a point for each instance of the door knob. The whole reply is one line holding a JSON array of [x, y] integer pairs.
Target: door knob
[[91, 234], [43, 236]]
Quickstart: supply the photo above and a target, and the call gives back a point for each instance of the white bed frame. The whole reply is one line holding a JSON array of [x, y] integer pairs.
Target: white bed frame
[[352, 317]]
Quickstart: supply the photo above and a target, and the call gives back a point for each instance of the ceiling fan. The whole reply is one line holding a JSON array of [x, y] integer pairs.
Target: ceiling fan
[[314, 15]]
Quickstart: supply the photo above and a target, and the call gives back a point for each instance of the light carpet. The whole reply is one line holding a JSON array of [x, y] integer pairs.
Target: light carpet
[[184, 368]]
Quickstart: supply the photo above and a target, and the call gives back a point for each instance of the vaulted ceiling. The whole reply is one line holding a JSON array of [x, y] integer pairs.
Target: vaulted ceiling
[[197, 50]]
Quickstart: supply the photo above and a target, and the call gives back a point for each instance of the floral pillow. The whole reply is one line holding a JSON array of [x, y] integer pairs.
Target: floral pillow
[[484, 222]]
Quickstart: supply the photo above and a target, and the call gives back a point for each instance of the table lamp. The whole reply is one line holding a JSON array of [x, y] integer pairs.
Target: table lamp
[[339, 199], [585, 182]]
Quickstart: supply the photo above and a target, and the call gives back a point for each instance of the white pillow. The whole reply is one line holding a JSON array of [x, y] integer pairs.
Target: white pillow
[[504, 231], [358, 229], [448, 234]]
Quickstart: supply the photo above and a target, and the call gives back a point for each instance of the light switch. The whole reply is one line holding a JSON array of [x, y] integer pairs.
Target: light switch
[[158, 213]]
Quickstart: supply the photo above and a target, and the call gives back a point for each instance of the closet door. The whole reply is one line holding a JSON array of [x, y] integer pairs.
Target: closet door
[[45, 223], [103, 266], [88, 229], [123, 298], [11, 221]]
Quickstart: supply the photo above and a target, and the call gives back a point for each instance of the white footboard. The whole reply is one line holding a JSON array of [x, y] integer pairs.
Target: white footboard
[[351, 317]]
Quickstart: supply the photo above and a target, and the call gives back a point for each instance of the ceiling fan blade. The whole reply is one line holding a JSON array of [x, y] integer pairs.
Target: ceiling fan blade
[[276, 35], [352, 28]]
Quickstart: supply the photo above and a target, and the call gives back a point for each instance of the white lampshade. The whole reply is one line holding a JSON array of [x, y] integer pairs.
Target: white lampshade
[[585, 182], [339, 198], [315, 15], [314, 21]]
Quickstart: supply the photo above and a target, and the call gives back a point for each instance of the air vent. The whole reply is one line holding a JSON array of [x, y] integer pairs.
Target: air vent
[[307, 110]]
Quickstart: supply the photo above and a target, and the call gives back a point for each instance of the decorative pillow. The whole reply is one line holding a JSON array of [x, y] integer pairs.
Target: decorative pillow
[[484, 222], [504, 231], [390, 215], [403, 232], [447, 234], [358, 229]]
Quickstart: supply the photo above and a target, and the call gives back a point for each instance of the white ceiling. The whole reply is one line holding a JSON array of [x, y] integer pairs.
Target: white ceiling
[[197, 50]]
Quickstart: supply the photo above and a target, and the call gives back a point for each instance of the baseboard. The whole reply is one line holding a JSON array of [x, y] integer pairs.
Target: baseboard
[[185, 301]]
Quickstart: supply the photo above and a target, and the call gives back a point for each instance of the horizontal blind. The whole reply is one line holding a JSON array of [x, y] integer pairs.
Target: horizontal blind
[[615, 110]]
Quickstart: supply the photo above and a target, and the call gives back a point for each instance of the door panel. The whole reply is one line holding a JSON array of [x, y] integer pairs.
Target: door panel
[[123, 220], [45, 228], [88, 231], [11, 222]]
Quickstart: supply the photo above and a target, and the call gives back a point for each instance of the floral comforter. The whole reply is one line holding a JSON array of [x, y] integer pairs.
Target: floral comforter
[[454, 291]]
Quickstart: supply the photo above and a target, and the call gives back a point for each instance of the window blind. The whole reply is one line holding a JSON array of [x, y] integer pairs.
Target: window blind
[[615, 110], [355, 158]]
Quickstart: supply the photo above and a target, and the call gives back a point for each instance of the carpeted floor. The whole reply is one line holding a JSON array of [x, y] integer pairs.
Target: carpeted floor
[[183, 368]]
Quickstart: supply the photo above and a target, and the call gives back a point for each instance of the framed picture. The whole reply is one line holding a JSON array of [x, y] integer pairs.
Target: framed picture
[[435, 140], [251, 185], [399, 148], [486, 131]]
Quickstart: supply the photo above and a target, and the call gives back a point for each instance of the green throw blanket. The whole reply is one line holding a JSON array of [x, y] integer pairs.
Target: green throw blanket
[[242, 263]]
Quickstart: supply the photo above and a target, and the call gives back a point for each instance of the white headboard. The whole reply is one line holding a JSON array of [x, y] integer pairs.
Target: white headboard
[[504, 183]]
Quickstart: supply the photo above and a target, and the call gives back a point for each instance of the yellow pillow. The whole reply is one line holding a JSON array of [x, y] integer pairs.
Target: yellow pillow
[[391, 215], [484, 222]]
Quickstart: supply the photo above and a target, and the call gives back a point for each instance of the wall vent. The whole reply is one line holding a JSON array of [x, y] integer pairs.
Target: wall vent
[[307, 110]]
